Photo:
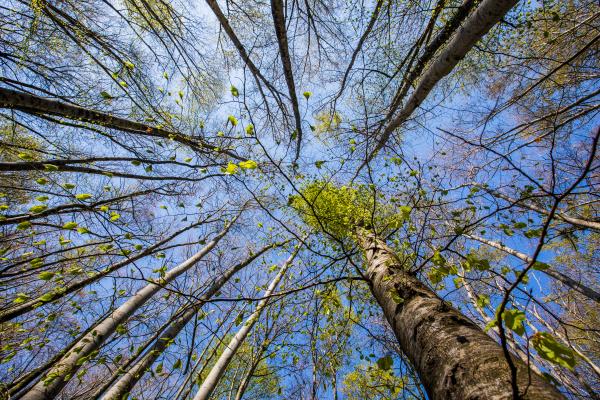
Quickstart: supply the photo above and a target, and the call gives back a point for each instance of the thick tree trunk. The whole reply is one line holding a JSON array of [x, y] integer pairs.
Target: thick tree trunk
[[559, 276], [217, 371], [454, 358], [65, 369], [135, 373]]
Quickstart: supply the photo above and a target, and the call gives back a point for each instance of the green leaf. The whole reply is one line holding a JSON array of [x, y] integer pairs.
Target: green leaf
[[177, 364], [42, 181], [47, 297], [513, 319], [129, 65], [396, 296], [307, 95], [50, 167], [121, 329], [68, 186], [548, 348], [483, 300], [385, 363], [70, 225], [250, 130], [233, 120], [42, 198], [248, 164], [24, 225], [136, 162], [21, 298], [230, 169], [46, 275], [38, 208], [159, 368], [83, 196], [319, 164], [105, 95], [532, 233], [234, 91], [114, 216], [540, 266]]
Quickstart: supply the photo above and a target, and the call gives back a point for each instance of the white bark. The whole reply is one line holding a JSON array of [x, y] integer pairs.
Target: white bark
[[559, 276], [215, 374], [65, 369], [180, 320], [487, 14]]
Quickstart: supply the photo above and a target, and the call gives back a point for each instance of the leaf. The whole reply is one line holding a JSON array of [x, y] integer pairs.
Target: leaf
[[83, 196], [385, 363], [483, 300], [121, 329], [42, 181], [105, 95], [129, 65], [233, 120], [540, 266], [21, 298], [114, 216], [248, 164], [70, 225], [177, 364], [136, 162], [234, 91], [47, 297], [38, 208], [46, 275], [307, 95], [250, 130], [319, 164], [23, 225], [396, 296], [159, 368], [41, 198], [50, 167], [513, 319], [230, 169], [68, 186], [553, 351]]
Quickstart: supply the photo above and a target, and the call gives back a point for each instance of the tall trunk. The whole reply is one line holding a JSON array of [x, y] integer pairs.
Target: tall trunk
[[454, 358], [217, 371], [559, 276], [135, 373], [64, 369], [20, 309]]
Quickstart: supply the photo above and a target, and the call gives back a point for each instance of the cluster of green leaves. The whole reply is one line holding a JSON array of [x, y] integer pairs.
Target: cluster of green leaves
[[340, 210], [373, 381]]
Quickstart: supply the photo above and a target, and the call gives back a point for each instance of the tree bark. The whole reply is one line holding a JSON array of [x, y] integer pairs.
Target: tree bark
[[454, 358], [137, 371], [559, 276], [65, 369], [485, 16], [217, 371]]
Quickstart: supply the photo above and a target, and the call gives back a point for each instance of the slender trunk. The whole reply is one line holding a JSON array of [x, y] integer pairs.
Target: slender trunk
[[65, 369], [454, 358], [515, 347], [582, 223], [135, 373], [30, 305], [215, 374], [487, 14], [559, 276]]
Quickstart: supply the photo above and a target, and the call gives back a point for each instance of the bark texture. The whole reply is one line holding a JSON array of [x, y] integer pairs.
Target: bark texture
[[65, 369], [214, 376], [454, 358], [180, 320], [487, 14]]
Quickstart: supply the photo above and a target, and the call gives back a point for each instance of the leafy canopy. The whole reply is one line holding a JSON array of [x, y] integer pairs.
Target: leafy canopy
[[339, 210]]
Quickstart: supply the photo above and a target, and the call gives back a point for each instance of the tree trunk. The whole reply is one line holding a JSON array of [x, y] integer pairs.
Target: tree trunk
[[64, 370], [559, 276], [135, 373], [217, 371], [454, 358], [32, 304]]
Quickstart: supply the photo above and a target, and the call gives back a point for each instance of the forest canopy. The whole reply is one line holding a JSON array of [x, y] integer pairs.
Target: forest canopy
[[341, 199]]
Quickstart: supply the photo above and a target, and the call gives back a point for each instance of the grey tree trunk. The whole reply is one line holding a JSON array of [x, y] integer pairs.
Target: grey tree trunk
[[65, 369], [217, 371], [559, 276], [135, 373], [454, 358]]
